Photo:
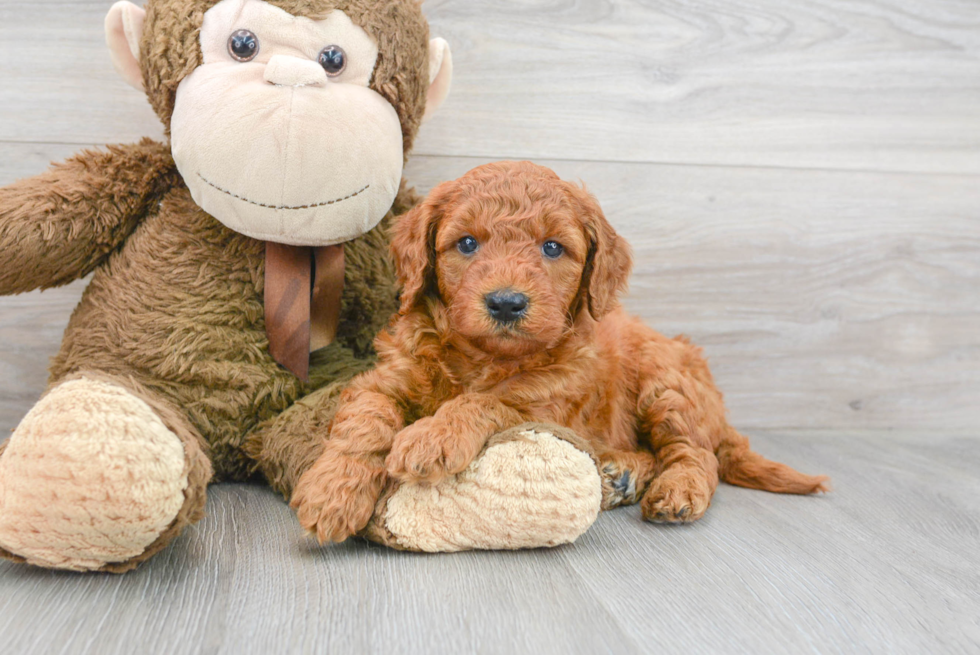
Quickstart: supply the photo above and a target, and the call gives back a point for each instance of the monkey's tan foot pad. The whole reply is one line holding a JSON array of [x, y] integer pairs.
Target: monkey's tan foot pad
[[91, 476], [532, 486]]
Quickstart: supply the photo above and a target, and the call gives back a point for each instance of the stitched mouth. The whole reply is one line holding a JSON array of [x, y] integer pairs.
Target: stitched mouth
[[262, 204]]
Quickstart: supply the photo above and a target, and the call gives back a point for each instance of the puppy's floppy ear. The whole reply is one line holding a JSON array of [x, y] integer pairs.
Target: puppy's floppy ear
[[608, 261], [413, 245]]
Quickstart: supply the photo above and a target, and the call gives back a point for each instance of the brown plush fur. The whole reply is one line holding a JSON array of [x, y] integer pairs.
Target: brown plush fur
[[174, 310], [62, 224], [449, 376], [193, 331], [170, 49]]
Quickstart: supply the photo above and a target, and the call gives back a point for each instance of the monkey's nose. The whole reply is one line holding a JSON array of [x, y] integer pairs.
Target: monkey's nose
[[506, 306], [283, 70]]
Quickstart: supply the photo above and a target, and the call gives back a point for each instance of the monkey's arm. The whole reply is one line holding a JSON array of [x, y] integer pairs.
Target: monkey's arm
[[60, 225]]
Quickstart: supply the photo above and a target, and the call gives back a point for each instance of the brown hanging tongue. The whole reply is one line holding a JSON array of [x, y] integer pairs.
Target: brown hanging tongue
[[303, 290]]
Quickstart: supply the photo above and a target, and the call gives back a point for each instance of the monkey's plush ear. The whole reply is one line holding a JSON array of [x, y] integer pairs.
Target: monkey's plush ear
[[123, 30], [440, 76], [413, 245]]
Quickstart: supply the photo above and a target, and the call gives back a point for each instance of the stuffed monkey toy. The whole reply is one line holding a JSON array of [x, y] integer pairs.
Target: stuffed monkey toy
[[239, 274]]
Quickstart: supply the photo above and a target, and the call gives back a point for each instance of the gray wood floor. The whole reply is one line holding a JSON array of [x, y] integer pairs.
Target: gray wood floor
[[800, 180], [887, 563]]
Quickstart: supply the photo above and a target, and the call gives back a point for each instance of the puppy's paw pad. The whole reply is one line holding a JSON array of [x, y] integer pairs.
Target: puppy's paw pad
[[428, 451], [336, 496], [333, 519], [416, 462], [619, 486], [682, 499]]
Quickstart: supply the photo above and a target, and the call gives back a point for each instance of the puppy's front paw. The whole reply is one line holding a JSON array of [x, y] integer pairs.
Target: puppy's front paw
[[677, 496], [429, 451], [335, 499]]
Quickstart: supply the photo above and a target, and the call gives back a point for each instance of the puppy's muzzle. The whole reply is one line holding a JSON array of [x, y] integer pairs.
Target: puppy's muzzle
[[506, 306]]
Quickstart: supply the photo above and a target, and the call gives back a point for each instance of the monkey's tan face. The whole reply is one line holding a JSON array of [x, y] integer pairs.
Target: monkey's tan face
[[278, 135]]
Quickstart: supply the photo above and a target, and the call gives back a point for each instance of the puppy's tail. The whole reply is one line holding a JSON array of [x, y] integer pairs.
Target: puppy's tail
[[739, 465]]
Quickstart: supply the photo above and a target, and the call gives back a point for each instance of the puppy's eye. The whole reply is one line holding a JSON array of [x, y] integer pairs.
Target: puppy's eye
[[243, 45], [467, 245], [552, 249]]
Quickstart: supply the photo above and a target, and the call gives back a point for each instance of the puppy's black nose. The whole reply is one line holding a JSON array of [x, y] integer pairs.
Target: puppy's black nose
[[506, 306]]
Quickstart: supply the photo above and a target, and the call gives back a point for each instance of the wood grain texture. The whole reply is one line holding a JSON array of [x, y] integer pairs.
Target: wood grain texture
[[835, 298], [822, 299], [58, 82], [877, 84], [885, 563]]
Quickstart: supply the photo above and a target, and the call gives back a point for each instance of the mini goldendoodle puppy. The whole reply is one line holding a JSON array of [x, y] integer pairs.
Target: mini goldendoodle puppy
[[509, 314]]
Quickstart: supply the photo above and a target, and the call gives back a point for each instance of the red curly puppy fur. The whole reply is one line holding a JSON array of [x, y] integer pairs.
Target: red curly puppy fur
[[510, 313]]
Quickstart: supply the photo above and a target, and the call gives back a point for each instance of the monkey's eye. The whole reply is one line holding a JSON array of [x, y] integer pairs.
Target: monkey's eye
[[467, 245], [333, 59], [243, 45], [552, 249]]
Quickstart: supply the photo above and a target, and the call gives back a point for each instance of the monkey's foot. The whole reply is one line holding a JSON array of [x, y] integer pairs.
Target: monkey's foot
[[90, 477], [532, 486]]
